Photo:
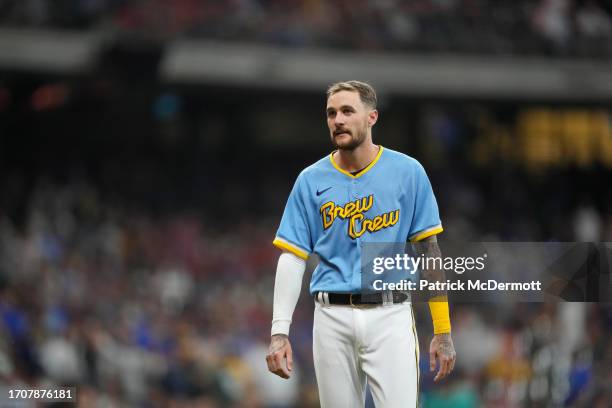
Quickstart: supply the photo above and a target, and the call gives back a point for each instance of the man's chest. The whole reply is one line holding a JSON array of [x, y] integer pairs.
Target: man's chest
[[356, 208]]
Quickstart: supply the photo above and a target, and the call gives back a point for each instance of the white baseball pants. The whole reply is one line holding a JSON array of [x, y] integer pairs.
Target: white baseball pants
[[352, 345]]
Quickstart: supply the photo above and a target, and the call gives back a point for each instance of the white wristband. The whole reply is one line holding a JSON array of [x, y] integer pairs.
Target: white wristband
[[287, 287]]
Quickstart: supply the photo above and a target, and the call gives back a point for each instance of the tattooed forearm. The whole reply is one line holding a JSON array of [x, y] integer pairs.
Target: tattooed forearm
[[430, 272]]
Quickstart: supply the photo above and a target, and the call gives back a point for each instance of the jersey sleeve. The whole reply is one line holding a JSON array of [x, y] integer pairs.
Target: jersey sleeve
[[426, 219], [293, 234]]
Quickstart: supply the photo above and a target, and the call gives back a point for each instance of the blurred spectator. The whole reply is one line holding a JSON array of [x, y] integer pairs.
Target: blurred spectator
[[593, 21], [558, 27], [552, 19]]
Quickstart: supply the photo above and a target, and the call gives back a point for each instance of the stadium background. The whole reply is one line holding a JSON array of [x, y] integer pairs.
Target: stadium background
[[147, 149]]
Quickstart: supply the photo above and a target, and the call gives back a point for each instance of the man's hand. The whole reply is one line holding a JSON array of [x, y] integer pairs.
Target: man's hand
[[442, 348], [280, 349]]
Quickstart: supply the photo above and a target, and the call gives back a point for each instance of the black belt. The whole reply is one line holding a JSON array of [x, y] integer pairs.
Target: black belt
[[359, 299]]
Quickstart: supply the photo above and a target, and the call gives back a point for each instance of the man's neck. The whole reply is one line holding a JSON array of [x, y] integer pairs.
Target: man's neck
[[355, 160]]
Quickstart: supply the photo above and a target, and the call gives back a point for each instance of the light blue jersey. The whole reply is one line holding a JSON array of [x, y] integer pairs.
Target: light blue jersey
[[331, 213]]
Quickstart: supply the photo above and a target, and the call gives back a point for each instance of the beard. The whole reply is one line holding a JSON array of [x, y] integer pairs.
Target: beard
[[356, 139]]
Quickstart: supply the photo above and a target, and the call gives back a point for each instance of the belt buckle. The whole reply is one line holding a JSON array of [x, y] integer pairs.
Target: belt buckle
[[353, 304]]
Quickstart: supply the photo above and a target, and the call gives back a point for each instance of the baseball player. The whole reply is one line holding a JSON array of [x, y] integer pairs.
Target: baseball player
[[361, 193]]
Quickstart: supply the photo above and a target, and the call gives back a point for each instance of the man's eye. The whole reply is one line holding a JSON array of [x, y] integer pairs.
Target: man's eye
[[347, 112], [331, 114]]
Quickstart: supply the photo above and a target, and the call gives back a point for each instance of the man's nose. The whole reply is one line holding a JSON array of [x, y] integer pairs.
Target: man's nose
[[339, 119]]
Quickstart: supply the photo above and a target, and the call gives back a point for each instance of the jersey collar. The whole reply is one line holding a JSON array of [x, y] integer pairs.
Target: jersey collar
[[362, 172]]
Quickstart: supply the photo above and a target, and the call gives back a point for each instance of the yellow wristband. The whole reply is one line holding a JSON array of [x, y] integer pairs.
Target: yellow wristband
[[438, 306]]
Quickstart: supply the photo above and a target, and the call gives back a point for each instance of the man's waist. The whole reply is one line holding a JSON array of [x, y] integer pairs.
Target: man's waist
[[361, 299]]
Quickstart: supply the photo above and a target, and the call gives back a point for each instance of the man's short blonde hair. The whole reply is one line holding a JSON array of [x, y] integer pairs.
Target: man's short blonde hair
[[366, 92]]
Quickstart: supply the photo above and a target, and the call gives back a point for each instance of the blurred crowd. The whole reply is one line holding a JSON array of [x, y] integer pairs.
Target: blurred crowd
[[579, 28], [139, 309], [135, 310]]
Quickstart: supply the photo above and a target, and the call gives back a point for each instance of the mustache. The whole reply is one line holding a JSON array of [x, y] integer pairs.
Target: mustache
[[339, 131]]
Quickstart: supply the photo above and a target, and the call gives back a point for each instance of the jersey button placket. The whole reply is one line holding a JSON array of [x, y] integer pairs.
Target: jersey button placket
[[355, 195]]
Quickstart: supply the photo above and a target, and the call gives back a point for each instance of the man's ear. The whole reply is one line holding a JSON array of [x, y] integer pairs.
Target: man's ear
[[372, 117]]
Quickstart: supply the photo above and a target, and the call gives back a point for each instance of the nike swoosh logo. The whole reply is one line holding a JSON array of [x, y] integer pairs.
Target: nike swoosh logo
[[322, 191]]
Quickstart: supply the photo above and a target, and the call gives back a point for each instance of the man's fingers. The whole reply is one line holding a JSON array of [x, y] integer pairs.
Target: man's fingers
[[446, 365], [442, 349], [432, 361], [280, 357], [280, 367], [281, 373], [270, 361], [275, 366], [273, 362], [289, 359], [439, 374], [442, 371], [452, 363]]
